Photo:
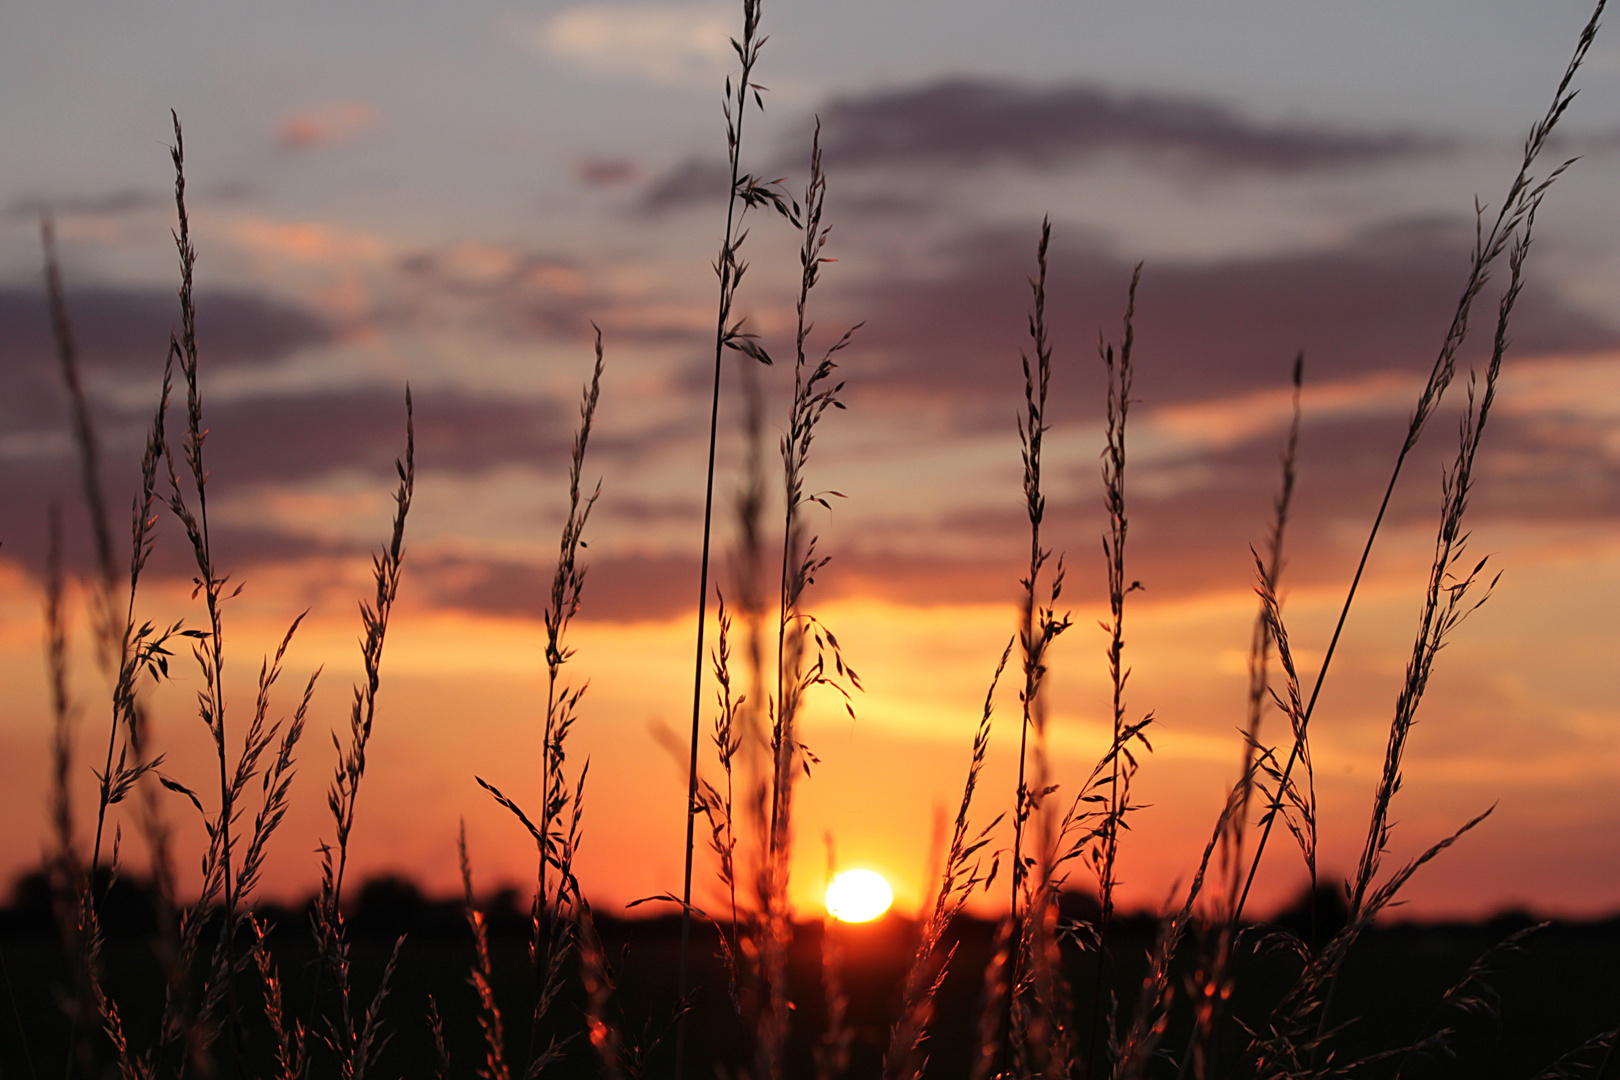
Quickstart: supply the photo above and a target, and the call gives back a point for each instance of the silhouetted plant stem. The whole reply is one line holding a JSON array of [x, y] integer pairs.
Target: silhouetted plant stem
[[798, 666], [1039, 627], [569, 929], [68, 890], [729, 270], [489, 1013], [353, 1043], [1120, 376], [1199, 1059], [1606, 1069], [1030, 431], [1523, 194], [123, 650], [1446, 601], [85, 441], [210, 650], [568, 582], [67, 881], [905, 1059]]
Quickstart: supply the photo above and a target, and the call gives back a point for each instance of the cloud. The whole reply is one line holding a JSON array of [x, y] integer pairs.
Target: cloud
[[315, 242], [680, 44], [116, 203], [123, 337], [1542, 468], [1590, 142], [522, 295], [327, 124], [270, 442], [1215, 339], [1186, 542], [627, 588], [296, 437], [1380, 301], [693, 181], [965, 123], [1194, 517], [476, 269], [1194, 512], [515, 293], [125, 333], [605, 172], [1189, 536]]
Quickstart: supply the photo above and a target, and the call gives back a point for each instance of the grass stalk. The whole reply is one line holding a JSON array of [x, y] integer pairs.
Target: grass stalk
[[1293, 1036], [1134, 1057], [288, 1042], [441, 1053], [1489, 245], [86, 443], [1570, 1066], [70, 893], [1039, 627], [719, 806], [62, 710], [807, 653], [905, 1058], [209, 645], [1121, 765], [1472, 994], [355, 1043], [123, 650], [568, 926], [745, 191], [482, 976], [1448, 600], [562, 703], [1213, 980], [1269, 575]]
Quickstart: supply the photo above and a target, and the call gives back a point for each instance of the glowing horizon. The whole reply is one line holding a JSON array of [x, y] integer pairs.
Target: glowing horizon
[[347, 248]]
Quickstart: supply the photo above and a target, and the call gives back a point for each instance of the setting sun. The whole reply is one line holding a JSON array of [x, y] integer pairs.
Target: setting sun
[[858, 896]]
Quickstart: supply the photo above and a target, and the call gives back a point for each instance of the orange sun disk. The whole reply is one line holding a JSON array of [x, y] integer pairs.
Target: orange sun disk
[[858, 896]]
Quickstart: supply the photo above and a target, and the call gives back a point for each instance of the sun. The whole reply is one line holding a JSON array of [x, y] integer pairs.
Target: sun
[[858, 896]]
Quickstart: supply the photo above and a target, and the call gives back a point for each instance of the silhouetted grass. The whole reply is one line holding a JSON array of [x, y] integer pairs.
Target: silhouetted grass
[[1063, 986]]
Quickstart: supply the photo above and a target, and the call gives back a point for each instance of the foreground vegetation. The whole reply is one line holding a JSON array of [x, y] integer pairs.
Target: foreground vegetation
[[1554, 993], [1056, 988]]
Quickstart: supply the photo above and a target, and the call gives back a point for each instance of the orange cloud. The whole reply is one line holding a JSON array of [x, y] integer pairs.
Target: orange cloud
[[331, 122], [305, 241], [604, 172]]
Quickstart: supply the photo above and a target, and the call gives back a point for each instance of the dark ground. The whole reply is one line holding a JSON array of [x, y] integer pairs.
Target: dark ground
[[1561, 989]]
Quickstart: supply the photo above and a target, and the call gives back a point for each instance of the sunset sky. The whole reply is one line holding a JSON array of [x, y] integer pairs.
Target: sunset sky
[[452, 194]]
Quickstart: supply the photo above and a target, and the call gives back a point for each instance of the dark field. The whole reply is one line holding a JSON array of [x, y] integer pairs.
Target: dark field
[[1559, 990]]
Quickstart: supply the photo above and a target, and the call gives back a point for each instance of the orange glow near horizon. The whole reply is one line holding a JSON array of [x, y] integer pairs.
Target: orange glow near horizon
[[461, 697]]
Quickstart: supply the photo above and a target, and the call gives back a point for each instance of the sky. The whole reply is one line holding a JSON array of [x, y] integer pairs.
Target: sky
[[452, 196]]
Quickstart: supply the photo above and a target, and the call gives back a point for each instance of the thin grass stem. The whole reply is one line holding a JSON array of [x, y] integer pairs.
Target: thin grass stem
[[730, 270], [1489, 245]]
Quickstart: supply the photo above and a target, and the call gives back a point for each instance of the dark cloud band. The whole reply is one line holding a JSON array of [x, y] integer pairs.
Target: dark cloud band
[[1379, 302], [968, 122]]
